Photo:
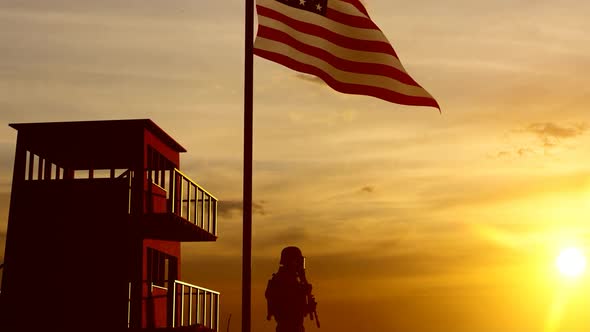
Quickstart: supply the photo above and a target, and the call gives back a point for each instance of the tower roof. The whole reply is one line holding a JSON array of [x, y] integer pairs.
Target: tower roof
[[109, 127], [78, 144]]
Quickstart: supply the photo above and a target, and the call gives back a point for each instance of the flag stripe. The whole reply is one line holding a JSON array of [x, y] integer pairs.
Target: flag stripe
[[302, 16], [346, 8], [352, 20], [339, 61], [344, 87], [338, 51], [349, 41], [356, 5], [337, 74]]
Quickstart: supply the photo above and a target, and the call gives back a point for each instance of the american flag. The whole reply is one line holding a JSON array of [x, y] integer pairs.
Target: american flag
[[337, 41]]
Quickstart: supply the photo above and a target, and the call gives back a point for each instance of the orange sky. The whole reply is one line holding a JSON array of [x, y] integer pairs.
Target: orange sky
[[411, 221]]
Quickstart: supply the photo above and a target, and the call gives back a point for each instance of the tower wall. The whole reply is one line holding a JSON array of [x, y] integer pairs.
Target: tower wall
[[69, 246]]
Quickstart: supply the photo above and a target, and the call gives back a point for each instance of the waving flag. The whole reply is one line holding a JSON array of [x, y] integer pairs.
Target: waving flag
[[337, 41]]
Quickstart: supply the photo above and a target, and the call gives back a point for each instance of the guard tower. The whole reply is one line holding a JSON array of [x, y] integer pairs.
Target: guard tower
[[98, 211]]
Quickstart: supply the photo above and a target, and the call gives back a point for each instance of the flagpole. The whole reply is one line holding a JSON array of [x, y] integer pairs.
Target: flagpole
[[247, 177]]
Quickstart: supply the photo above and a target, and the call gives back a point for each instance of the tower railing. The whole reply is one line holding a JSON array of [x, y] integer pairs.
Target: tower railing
[[192, 202], [184, 197], [193, 305]]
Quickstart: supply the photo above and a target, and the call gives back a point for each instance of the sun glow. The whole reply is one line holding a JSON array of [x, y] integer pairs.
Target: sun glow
[[571, 262]]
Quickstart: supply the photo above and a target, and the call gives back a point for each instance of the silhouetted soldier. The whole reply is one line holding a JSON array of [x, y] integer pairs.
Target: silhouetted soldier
[[288, 294]]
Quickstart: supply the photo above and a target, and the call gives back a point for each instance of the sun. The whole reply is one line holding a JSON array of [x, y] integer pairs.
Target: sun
[[571, 262]]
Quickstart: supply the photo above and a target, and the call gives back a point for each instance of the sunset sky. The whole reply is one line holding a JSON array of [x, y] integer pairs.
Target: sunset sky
[[411, 220]]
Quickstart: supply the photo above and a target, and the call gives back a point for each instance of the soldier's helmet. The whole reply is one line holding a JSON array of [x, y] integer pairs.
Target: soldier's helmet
[[291, 255]]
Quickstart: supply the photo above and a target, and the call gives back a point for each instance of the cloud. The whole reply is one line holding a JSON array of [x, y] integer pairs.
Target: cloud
[[522, 152], [368, 189], [503, 154], [551, 134], [548, 134], [294, 235], [229, 208]]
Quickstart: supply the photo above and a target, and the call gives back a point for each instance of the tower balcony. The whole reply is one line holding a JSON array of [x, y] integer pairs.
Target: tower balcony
[[187, 307], [174, 208], [178, 208]]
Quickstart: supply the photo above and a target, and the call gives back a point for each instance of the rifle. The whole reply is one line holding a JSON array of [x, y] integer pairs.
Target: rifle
[[311, 302]]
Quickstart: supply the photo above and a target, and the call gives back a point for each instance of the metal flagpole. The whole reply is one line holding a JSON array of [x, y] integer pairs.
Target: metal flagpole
[[247, 181]]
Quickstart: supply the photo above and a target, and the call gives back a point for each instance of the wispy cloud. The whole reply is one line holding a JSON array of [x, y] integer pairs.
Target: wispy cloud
[[293, 235], [538, 136], [368, 189], [552, 134], [524, 152], [518, 152], [503, 154], [230, 208]]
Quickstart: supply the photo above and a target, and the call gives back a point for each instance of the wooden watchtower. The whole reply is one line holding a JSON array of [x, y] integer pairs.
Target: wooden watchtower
[[98, 211]]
